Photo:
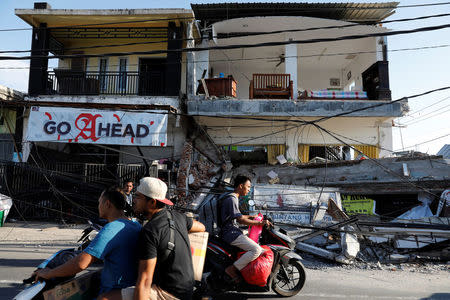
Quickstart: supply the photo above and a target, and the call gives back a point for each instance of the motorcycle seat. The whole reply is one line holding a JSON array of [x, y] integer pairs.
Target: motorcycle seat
[[233, 250]]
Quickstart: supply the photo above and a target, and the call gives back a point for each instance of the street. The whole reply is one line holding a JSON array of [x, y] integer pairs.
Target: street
[[18, 261]]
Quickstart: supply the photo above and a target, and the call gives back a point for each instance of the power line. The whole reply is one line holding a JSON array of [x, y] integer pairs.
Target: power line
[[382, 104], [193, 17], [231, 36], [420, 119], [235, 46], [288, 120], [439, 137], [386, 169], [261, 58], [426, 107]]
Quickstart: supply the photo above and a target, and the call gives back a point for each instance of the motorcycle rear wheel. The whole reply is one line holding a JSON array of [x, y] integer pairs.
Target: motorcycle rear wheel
[[290, 279]]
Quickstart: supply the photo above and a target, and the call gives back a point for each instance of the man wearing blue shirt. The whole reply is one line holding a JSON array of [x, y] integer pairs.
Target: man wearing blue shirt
[[115, 244]]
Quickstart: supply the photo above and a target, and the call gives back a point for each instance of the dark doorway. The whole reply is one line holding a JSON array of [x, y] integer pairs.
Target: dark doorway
[[152, 76], [331, 153]]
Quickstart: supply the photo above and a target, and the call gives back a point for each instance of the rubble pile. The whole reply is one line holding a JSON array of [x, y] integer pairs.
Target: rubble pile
[[369, 244]]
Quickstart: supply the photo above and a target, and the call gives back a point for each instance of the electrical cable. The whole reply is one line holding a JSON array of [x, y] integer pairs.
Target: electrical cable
[[235, 46], [420, 119], [254, 58], [240, 35], [387, 170], [424, 108], [301, 122], [382, 104], [434, 139]]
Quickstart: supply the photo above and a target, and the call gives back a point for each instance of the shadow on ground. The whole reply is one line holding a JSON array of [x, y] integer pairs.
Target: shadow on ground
[[438, 296]]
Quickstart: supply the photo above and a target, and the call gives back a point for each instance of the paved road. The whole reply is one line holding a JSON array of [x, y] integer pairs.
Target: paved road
[[18, 261]]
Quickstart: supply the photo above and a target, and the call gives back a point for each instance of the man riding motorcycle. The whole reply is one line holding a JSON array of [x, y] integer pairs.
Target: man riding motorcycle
[[229, 214], [115, 244]]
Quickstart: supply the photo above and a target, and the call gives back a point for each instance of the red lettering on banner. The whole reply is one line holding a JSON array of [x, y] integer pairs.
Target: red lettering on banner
[[151, 122], [162, 144], [48, 115], [88, 127], [117, 117], [132, 140]]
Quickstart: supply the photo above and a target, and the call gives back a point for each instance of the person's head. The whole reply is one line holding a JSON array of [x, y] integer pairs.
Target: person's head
[[242, 185], [150, 196], [111, 201], [128, 186]]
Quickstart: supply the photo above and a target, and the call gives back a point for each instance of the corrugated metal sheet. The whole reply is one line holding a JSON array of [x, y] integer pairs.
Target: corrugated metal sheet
[[370, 151], [445, 151], [367, 13]]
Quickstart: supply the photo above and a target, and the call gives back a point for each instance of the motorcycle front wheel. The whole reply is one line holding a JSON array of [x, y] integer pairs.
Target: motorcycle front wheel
[[289, 279]]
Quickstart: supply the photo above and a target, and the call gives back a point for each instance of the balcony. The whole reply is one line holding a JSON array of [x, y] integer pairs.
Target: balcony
[[69, 82]]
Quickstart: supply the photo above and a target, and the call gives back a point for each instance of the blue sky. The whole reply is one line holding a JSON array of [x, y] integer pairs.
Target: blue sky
[[411, 72]]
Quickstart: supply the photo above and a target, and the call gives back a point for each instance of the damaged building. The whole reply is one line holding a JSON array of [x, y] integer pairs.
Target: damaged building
[[307, 114]]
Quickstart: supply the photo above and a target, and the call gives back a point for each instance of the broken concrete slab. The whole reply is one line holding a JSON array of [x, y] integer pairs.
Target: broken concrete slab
[[334, 246], [315, 250], [350, 245], [396, 258], [319, 240]]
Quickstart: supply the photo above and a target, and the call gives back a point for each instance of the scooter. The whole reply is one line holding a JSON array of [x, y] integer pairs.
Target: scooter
[[34, 291], [287, 275]]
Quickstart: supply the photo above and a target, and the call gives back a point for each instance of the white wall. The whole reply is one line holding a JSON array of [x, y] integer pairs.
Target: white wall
[[358, 65]]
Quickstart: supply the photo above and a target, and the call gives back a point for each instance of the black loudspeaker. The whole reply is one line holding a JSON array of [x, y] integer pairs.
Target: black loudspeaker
[[376, 81]]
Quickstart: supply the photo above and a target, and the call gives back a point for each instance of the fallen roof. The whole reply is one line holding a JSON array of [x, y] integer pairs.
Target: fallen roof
[[367, 13]]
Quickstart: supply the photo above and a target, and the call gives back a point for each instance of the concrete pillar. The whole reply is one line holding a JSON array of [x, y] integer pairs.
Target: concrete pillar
[[381, 46], [173, 66], [291, 65], [385, 140], [190, 66], [37, 82]]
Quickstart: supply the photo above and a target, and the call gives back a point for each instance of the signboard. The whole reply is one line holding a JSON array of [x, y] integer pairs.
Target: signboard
[[294, 204], [73, 125], [354, 205], [292, 197], [290, 217]]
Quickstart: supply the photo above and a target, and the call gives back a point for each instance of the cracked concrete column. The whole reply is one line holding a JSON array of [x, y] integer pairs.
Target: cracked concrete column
[[292, 145], [190, 57], [202, 60]]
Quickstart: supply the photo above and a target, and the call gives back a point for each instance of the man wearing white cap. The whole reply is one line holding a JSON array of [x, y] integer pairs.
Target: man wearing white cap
[[165, 270]]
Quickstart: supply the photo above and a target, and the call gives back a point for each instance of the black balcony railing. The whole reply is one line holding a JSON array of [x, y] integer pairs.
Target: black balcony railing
[[68, 82]]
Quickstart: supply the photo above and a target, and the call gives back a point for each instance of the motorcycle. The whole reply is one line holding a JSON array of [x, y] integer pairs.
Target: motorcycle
[[34, 291], [286, 278]]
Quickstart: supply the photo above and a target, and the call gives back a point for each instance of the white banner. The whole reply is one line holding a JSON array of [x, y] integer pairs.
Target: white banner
[[74, 125]]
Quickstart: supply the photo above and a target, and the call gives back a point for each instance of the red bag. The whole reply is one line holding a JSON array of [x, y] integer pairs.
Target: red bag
[[257, 271]]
